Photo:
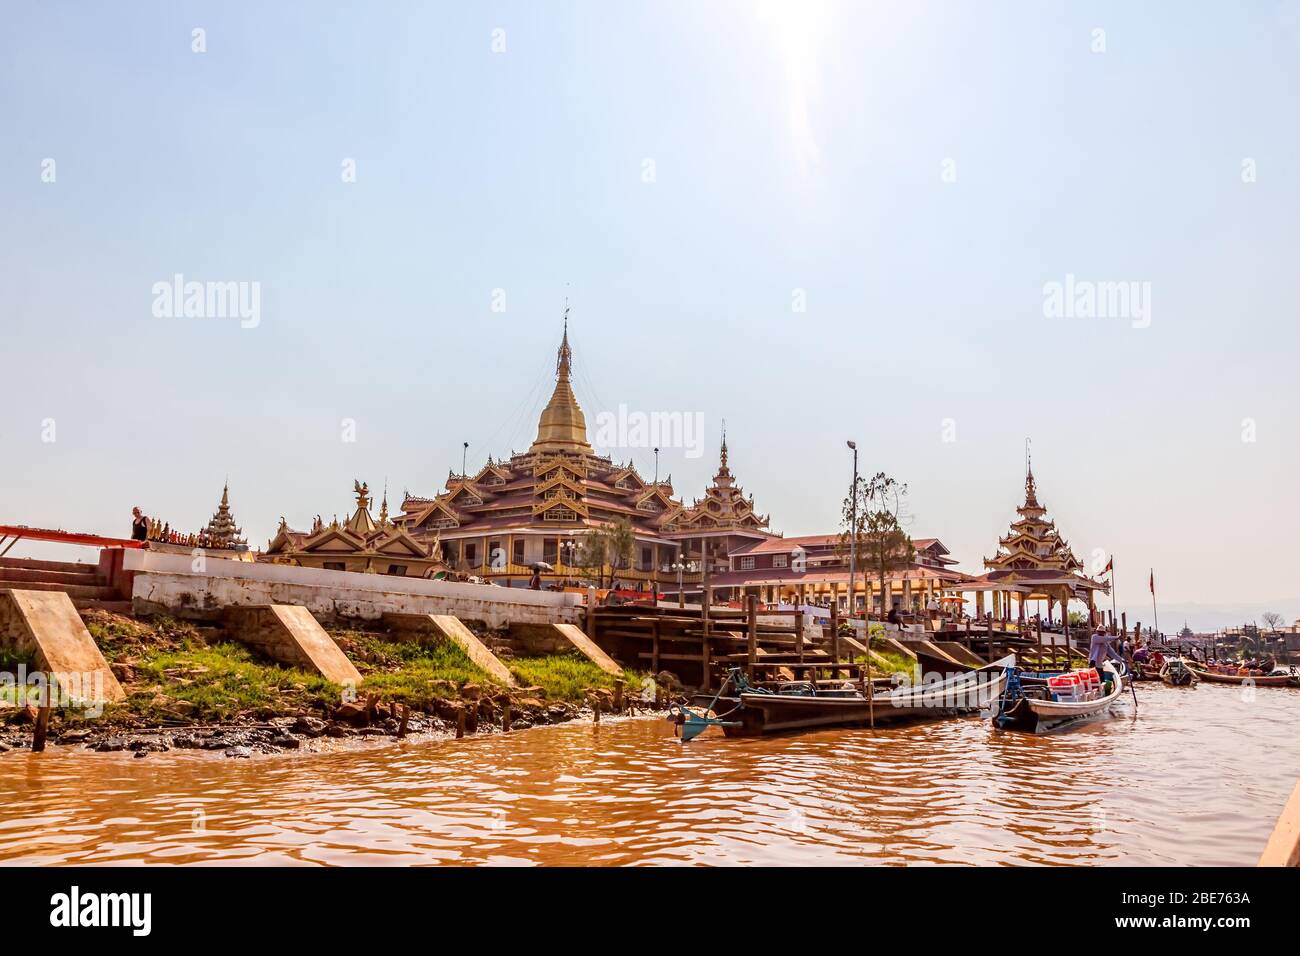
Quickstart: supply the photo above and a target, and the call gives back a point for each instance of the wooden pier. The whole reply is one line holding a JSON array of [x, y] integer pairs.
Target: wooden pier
[[699, 643]]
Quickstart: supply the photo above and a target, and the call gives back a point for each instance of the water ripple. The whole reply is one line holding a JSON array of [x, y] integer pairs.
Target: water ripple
[[1195, 777]]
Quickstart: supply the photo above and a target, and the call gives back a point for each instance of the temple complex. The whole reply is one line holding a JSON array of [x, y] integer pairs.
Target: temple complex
[[534, 509], [1033, 563], [531, 513]]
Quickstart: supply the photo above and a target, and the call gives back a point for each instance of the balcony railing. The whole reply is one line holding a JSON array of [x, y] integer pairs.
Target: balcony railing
[[513, 570]]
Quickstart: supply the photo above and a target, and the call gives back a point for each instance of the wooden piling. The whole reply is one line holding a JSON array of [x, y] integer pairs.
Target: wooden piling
[[506, 717], [751, 647], [42, 718], [406, 718], [706, 622], [618, 697], [835, 639], [460, 722]]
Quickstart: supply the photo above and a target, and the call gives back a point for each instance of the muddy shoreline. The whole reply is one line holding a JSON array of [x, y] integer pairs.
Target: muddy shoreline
[[244, 739], [191, 687]]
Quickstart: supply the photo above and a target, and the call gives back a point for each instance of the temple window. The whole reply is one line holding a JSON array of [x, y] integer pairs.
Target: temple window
[[561, 514], [779, 561], [397, 569], [746, 564], [335, 566], [517, 549]]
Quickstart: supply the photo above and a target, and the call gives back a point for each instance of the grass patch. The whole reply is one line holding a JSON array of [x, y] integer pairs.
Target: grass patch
[[893, 663], [11, 660], [414, 673], [220, 681], [568, 676], [170, 672]]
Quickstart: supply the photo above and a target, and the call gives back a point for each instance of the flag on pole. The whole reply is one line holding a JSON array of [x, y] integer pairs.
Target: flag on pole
[[1110, 566], [1153, 582]]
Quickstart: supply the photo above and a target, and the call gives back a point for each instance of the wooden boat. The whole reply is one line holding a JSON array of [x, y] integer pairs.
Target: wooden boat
[[749, 711], [1028, 705], [1252, 680], [1176, 673]]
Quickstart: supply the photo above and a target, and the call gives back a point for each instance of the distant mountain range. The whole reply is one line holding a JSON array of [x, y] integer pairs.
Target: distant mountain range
[[1214, 617]]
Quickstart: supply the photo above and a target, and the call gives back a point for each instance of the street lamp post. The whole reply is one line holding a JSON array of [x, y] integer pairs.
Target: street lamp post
[[853, 528], [567, 547], [681, 566]]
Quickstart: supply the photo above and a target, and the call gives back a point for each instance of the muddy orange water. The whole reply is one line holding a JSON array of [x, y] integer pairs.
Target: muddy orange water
[[1197, 777]]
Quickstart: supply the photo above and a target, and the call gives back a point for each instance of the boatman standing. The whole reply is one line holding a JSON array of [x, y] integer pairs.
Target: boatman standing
[[1100, 648]]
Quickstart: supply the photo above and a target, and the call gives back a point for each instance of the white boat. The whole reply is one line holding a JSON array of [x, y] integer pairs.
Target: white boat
[[1028, 706]]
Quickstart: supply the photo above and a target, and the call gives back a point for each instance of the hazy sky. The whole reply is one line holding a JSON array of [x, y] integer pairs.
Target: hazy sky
[[817, 221]]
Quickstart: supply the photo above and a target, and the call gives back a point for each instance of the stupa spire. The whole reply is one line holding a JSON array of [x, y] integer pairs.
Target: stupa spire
[[1031, 487], [562, 426]]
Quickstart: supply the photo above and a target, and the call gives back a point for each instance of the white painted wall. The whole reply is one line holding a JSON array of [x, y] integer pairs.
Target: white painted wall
[[172, 581]]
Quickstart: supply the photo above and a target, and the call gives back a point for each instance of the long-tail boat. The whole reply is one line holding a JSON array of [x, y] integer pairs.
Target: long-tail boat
[[742, 709], [1032, 703], [1252, 680]]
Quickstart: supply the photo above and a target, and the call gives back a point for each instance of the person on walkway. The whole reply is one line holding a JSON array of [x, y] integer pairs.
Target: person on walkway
[[535, 582], [139, 525]]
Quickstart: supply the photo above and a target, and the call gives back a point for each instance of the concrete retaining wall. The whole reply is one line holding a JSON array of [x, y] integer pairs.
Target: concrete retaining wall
[[175, 584]]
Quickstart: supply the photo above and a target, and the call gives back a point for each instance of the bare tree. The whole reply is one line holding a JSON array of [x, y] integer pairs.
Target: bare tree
[[1272, 619], [882, 545]]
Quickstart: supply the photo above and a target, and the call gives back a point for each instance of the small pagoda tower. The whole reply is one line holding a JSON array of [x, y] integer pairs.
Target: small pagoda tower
[[1033, 541], [222, 531], [1034, 562]]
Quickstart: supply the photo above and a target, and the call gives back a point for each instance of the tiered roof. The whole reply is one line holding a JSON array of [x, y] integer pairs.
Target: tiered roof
[[562, 484], [1033, 542], [222, 532], [724, 505], [1034, 556], [359, 537]]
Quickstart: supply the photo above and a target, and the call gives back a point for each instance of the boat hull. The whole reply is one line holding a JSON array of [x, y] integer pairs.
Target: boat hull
[[755, 714], [1038, 716], [1022, 716], [1269, 680]]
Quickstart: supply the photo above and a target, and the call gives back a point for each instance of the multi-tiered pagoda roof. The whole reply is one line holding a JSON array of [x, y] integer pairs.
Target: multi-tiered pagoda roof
[[1034, 558]]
